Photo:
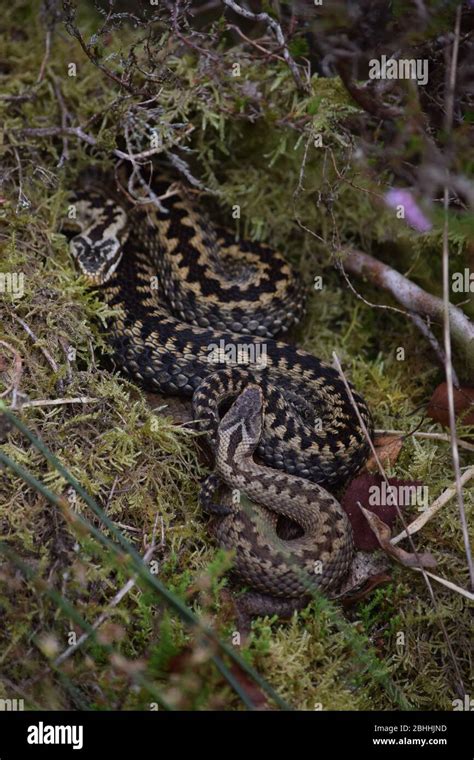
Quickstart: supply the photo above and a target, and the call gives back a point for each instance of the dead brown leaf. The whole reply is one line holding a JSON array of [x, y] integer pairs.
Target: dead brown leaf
[[362, 489], [388, 448], [438, 408], [384, 534]]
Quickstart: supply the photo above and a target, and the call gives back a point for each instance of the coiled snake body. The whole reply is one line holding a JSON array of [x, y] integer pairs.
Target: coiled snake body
[[195, 314]]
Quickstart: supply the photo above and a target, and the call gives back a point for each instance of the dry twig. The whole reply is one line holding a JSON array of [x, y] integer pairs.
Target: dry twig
[[413, 298], [113, 603], [443, 499], [37, 341], [402, 519], [272, 24], [16, 373], [432, 436], [60, 401]]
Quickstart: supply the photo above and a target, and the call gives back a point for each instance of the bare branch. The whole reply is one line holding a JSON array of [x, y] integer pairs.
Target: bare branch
[[413, 298], [425, 330], [36, 340], [450, 585], [443, 499], [44, 62], [59, 401], [430, 436], [16, 372], [277, 31], [113, 603]]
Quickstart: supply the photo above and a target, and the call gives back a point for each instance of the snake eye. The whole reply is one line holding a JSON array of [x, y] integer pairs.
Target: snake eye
[[108, 249], [78, 246]]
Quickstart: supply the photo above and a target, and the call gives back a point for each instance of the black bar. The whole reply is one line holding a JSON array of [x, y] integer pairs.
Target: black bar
[[378, 734]]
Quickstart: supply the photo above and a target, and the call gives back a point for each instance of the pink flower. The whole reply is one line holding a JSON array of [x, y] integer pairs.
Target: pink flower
[[413, 215]]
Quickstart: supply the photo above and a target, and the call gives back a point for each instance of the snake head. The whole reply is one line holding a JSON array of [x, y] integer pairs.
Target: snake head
[[97, 260], [98, 248], [241, 427]]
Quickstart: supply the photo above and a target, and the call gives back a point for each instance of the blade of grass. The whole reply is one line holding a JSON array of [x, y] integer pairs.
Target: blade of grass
[[70, 611], [62, 603], [174, 602]]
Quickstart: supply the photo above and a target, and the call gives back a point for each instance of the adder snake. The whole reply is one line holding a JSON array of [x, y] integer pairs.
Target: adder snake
[[189, 302]]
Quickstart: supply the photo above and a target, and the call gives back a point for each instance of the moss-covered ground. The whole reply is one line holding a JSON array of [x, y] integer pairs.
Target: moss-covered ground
[[249, 136]]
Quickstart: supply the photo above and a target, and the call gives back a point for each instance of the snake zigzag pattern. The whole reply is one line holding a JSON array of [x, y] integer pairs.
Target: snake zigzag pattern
[[183, 293]]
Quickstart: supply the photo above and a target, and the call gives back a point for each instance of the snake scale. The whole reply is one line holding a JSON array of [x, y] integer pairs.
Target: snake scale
[[197, 314]]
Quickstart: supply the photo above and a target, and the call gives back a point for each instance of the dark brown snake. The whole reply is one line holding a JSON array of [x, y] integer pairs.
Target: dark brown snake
[[196, 314]]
